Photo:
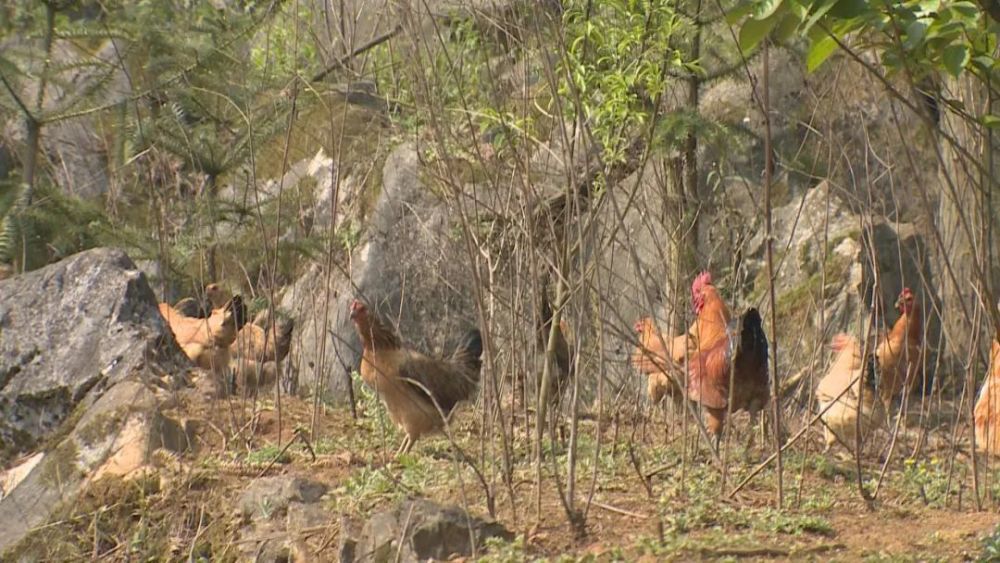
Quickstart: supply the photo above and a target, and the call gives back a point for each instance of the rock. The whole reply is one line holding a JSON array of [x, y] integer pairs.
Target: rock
[[81, 350], [271, 496], [281, 511], [70, 331], [302, 517], [411, 265], [418, 530], [116, 435], [826, 244]]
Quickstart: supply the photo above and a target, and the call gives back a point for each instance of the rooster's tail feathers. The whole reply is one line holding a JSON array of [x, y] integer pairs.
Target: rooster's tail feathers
[[470, 350], [752, 335], [238, 310]]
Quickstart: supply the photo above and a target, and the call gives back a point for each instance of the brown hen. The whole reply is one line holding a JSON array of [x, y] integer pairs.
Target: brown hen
[[418, 391]]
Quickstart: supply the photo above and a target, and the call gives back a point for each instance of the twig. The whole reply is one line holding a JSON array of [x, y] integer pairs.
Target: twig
[[792, 441], [617, 510], [339, 63]]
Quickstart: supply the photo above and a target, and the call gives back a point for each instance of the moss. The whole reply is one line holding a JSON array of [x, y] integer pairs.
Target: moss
[[101, 426], [806, 261], [60, 464], [832, 244], [796, 303], [20, 440]]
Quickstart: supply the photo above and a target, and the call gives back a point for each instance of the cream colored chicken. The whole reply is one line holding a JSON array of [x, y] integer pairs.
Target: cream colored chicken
[[850, 376]]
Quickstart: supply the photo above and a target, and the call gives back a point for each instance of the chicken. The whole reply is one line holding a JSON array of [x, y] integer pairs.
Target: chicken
[[215, 297], [258, 349], [650, 357], [412, 385], [655, 356], [987, 413], [850, 376], [206, 341], [899, 353], [713, 315], [743, 361]]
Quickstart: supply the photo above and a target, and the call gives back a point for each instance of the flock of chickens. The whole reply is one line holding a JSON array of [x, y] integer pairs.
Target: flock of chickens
[[718, 363], [219, 339], [859, 382]]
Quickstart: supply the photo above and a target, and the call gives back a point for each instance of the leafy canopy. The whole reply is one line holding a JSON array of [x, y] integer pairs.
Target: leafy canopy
[[919, 36]]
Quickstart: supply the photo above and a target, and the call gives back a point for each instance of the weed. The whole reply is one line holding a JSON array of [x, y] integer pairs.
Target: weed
[[266, 455], [926, 481], [991, 547], [500, 551]]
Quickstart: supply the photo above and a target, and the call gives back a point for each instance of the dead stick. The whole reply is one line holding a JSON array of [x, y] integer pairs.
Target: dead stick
[[339, 63], [794, 439]]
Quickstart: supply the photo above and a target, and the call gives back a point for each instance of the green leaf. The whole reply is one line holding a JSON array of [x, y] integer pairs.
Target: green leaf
[[955, 58], [765, 8], [742, 9], [819, 52], [984, 62], [915, 33], [818, 13], [928, 6], [754, 31], [966, 10], [846, 9], [787, 27], [991, 121]]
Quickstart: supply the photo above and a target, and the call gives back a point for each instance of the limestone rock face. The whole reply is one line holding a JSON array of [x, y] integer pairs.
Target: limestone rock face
[[82, 352], [68, 332], [411, 265]]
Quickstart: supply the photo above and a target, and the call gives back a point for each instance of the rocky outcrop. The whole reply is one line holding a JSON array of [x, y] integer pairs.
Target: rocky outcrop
[[279, 513], [420, 530], [410, 264], [68, 332], [834, 269], [83, 355]]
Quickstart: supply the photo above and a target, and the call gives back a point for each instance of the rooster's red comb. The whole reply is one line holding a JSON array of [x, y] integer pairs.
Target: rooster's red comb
[[701, 280]]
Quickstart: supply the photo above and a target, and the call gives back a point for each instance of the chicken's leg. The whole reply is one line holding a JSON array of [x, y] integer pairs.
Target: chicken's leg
[[715, 419], [404, 446]]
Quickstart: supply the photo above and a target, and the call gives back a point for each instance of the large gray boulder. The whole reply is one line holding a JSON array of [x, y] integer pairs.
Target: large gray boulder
[[411, 265], [68, 332], [83, 352], [835, 268]]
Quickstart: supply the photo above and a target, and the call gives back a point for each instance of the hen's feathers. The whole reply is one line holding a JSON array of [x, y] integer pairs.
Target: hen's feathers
[[849, 377], [449, 382], [206, 341], [899, 353], [563, 360], [411, 384], [987, 413]]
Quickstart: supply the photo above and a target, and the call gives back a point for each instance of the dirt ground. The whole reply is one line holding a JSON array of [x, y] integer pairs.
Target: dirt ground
[[653, 496]]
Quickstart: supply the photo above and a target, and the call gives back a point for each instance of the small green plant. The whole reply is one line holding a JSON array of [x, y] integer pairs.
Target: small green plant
[[266, 455], [991, 547], [500, 551], [925, 480]]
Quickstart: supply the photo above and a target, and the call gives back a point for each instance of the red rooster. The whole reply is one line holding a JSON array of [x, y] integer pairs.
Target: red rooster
[[657, 354], [741, 359]]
